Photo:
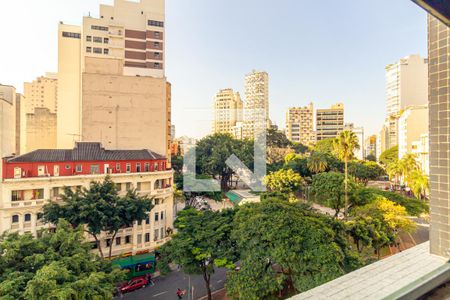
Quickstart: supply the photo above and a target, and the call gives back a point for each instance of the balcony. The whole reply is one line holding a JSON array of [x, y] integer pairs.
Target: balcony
[[24, 203]]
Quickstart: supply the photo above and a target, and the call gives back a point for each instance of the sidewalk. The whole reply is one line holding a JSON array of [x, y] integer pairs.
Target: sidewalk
[[218, 295]]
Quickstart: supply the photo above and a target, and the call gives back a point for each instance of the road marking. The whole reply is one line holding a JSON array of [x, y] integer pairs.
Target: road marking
[[159, 294]]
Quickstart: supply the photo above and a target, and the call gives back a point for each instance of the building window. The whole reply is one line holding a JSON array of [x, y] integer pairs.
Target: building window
[[94, 245], [118, 166], [147, 237], [72, 35], [156, 201], [106, 40], [157, 65], [17, 172], [156, 44], [139, 238], [108, 242], [156, 217], [38, 194], [146, 167], [128, 186], [162, 215], [17, 196], [78, 168], [88, 49], [98, 50], [128, 239], [95, 169], [102, 28], [128, 168], [138, 186], [88, 38], [157, 54], [41, 170], [155, 23], [27, 217], [67, 167], [147, 221], [156, 234], [118, 187], [138, 167], [157, 34], [55, 191], [162, 233], [156, 167], [106, 51], [15, 219]]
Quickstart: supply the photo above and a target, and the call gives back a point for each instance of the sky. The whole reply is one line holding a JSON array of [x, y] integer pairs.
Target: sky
[[314, 51]]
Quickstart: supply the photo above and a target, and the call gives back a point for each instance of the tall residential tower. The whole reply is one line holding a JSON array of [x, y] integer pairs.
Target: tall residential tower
[[300, 124], [256, 106], [227, 111], [329, 121]]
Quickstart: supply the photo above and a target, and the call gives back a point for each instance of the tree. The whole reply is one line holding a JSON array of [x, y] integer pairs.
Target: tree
[[365, 171], [343, 148], [394, 171], [419, 183], [408, 164], [213, 151], [284, 181], [283, 247], [100, 209], [324, 146], [297, 163], [329, 190], [177, 164], [299, 148], [389, 156], [317, 162], [371, 157], [56, 265], [202, 242], [276, 139]]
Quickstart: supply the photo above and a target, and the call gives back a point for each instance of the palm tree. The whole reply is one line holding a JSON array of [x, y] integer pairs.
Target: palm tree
[[394, 171], [419, 183], [407, 164], [343, 147], [317, 162]]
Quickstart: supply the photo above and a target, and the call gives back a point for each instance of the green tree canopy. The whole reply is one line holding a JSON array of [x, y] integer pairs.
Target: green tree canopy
[[282, 246], [317, 162], [100, 208], [213, 151], [365, 171], [297, 163], [324, 146], [276, 139], [284, 181], [56, 265], [202, 242], [371, 157], [389, 155]]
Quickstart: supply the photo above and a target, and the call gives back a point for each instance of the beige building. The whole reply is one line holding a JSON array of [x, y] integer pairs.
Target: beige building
[[256, 106], [370, 146], [40, 130], [111, 82], [42, 92], [24, 190], [382, 141], [421, 149], [329, 121], [359, 133], [406, 84], [7, 121], [227, 111], [300, 125], [20, 124], [412, 124]]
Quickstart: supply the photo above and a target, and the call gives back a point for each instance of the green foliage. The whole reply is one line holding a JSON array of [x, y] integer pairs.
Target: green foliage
[[100, 208], [177, 164], [388, 156], [419, 183], [56, 265], [329, 189], [271, 196], [368, 231], [317, 162], [284, 181], [281, 245], [213, 151], [276, 139], [345, 145], [298, 164], [371, 157], [299, 148], [414, 207], [324, 146], [365, 171], [202, 242]]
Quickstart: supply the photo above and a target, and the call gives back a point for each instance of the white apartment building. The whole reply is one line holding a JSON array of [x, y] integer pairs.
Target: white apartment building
[[406, 84], [256, 106], [329, 122], [359, 132], [42, 92], [32, 179], [228, 110], [300, 124], [412, 124], [421, 149]]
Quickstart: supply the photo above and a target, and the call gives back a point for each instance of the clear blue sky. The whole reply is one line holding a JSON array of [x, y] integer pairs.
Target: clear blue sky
[[321, 51]]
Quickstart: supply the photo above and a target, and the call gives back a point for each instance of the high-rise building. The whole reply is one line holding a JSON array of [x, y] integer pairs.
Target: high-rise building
[[421, 150], [40, 129], [382, 141], [370, 146], [227, 111], [412, 124], [439, 114], [111, 83], [20, 124], [300, 124], [359, 133], [42, 92], [406, 84], [7, 121], [256, 106], [329, 121]]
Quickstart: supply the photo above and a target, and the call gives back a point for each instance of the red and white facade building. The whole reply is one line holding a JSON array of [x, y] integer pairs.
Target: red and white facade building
[[31, 180]]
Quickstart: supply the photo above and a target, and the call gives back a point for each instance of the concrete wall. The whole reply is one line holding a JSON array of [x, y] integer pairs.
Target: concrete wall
[[123, 112], [40, 130]]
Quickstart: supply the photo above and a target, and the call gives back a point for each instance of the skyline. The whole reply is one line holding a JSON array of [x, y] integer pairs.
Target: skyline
[[222, 51]]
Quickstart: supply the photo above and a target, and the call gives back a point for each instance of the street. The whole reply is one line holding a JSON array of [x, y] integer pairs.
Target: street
[[165, 288]]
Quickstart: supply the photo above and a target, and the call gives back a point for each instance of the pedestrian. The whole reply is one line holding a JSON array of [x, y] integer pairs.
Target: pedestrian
[[180, 293]]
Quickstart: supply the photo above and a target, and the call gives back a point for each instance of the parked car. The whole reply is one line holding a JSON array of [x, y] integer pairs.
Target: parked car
[[134, 284]]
